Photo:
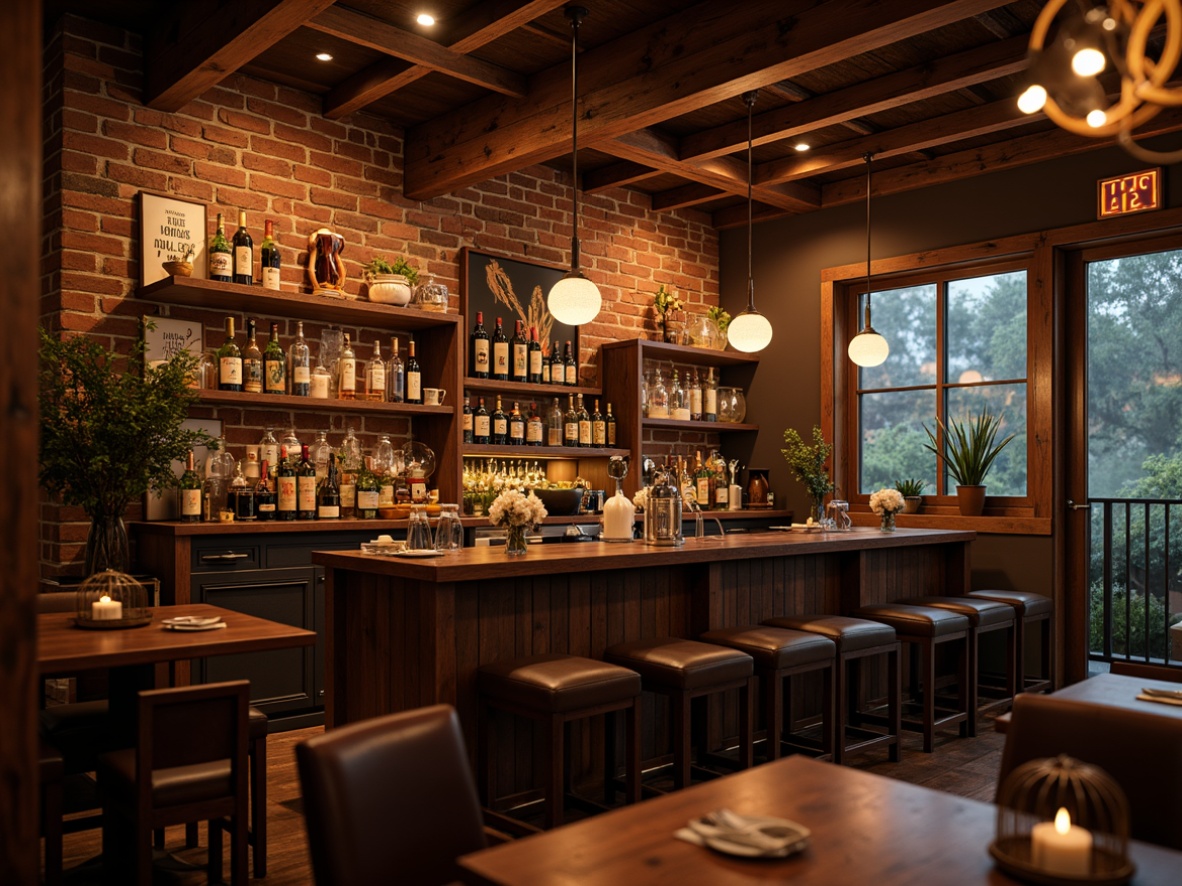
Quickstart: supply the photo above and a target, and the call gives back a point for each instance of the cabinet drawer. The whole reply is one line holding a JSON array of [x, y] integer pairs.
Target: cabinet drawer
[[225, 554], [296, 550]]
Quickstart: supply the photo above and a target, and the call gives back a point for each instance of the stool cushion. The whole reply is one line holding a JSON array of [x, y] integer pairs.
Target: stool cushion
[[256, 723], [981, 613], [776, 648], [556, 683], [850, 634], [174, 786], [916, 621], [679, 664], [1025, 603]]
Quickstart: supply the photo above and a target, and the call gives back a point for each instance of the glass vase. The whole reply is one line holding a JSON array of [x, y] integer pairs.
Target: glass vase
[[888, 521], [107, 545], [515, 541], [817, 510]]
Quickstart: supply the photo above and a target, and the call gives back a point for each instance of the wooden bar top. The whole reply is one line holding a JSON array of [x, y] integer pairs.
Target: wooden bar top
[[491, 562]]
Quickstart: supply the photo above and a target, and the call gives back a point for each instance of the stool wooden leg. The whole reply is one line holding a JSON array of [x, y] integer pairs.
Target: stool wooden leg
[[258, 805], [894, 704], [485, 730], [828, 711], [682, 732], [927, 659], [841, 706], [1048, 659], [632, 741], [1012, 662], [968, 686], [775, 687], [552, 763], [746, 724], [609, 757], [214, 861], [51, 827]]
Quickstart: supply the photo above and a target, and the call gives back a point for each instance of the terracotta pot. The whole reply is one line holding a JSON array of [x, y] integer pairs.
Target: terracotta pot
[[912, 504], [971, 500]]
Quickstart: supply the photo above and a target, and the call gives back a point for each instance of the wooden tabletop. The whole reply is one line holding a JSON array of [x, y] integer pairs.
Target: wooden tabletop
[[63, 647], [866, 829], [1114, 691]]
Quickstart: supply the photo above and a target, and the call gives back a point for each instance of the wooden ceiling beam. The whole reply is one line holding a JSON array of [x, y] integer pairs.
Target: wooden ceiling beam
[[486, 22], [690, 60], [921, 82], [616, 175], [196, 45], [736, 216], [374, 33], [693, 194]]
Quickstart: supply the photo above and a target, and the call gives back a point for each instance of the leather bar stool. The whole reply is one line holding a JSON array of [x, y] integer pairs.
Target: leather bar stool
[[683, 670], [779, 655], [926, 628], [555, 689], [51, 772], [1029, 609], [985, 617], [856, 639]]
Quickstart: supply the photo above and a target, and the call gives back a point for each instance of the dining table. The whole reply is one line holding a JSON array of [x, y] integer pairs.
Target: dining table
[[863, 828], [1114, 691]]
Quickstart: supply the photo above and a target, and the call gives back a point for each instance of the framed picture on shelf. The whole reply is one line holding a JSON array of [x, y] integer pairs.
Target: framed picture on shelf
[[171, 228], [165, 337], [162, 505], [513, 289]]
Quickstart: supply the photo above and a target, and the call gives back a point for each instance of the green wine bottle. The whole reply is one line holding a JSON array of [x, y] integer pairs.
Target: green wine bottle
[[221, 256], [190, 493]]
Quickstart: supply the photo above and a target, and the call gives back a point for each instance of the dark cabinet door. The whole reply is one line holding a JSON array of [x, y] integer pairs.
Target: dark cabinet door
[[319, 684]]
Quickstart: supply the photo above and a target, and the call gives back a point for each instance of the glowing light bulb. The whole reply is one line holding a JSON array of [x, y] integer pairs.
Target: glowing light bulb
[[1096, 118], [324, 56], [1088, 62], [425, 19], [1032, 100], [801, 146]]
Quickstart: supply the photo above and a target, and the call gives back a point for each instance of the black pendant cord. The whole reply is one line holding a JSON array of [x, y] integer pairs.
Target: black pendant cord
[[868, 157], [576, 15], [749, 97]]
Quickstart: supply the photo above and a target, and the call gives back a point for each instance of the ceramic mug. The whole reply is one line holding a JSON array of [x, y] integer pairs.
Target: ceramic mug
[[433, 396]]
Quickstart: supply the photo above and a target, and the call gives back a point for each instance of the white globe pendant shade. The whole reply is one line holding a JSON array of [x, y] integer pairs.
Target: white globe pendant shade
[[749, 332], [574, 300], [868, 348]]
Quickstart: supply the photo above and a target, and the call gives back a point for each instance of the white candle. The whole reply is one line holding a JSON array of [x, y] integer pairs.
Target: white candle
[[106, 609], [619, 516], [1060, 847]]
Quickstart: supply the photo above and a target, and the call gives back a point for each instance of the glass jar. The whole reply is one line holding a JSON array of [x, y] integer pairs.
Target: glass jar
[[658, 397], [726, 404], [703, 332], [738, 405], [207, 370], [430, 296]]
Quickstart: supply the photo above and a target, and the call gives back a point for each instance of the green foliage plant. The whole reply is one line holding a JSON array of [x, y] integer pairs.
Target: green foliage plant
[[969, 446], [910, 487], [379, 265], [719, 316], [665, 301], [808, 462]]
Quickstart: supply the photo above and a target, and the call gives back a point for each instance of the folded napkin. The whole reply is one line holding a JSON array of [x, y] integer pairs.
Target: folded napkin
[[748, 835], [1160, 699]]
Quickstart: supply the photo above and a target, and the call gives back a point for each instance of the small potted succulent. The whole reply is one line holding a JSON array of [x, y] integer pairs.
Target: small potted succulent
[[390, 283], [912, 491], [180, 265]]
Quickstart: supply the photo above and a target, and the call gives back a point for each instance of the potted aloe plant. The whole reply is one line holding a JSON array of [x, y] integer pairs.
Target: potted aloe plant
[[968, 449], [912, 491], [390, 282]]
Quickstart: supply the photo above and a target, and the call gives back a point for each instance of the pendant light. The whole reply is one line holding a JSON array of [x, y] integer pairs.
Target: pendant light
[[868, 348], [750, 331], [574, 299]]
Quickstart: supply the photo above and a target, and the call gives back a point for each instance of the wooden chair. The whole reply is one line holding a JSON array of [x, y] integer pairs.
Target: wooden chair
[[1145, 671], [1141, 751], [189, 764], [390, 798]]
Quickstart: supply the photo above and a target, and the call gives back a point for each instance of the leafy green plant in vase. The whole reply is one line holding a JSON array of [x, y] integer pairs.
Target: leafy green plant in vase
[[671, 314], [912, 491], [111, 429], [968, 449], [390, 283], [808, 464]]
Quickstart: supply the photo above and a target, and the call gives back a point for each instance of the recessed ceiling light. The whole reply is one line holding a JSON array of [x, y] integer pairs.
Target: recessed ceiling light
[[425, 19], [324, 56], [801, 146]]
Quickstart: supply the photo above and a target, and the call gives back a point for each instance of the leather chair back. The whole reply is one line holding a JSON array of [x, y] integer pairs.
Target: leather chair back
[[390, 799], [1141, 751]]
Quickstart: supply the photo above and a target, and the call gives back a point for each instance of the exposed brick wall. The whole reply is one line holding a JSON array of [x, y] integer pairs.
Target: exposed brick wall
[[254, 145]]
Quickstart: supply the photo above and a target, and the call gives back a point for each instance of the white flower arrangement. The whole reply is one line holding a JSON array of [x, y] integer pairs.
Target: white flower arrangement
[[886, 501], [640, 499], [511, 508]]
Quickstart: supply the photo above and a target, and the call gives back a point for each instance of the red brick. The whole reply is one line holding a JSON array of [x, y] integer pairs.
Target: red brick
[[73, 161], [76, 260], [165, 162], [360, 153], [96, 145], [270, 184], [356, 186], [296, 130], [224, 136], [76, 220], [149, 179], [335, 164], [221, 175], [275, 148], [120, 58], [268, 165], [313, 175], [326, 197], [248, 122], [119, 227], [202, 192], [100, 284], [78, 121]]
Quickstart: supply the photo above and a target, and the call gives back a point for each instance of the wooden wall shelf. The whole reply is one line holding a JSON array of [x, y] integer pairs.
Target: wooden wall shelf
[[287, 401], [530, 391]]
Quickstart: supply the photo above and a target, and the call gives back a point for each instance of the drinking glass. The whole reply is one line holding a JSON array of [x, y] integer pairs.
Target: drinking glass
[[418, 532], [332, 342], [449, 532]]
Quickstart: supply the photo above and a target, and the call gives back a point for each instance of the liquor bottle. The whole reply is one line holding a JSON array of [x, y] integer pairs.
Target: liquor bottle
[[710, 397], [396, 374], [349, 459], [481, 424], [535, 430], [229, 362], [269, 254], [679, 407], [610, 426], [300, 360], [243, 253], [584, 424], [500, 425], [414, 376], [516, 426], [285, 499], [694, 388], [598, 427], [375, 375], [367, 492], [557, 369], [570, 423], [221, 256], [347, 372], [479, 367], [264, 495], [269, 449], [305, 487], [545, 368], [252, 362], [240, 498], [570, 368], [519, 355], [328, 496], [469, 435], [717, 465], [535, 357], [703, 483], [500, 353], [190, 493], [555, 425], [274, 365]]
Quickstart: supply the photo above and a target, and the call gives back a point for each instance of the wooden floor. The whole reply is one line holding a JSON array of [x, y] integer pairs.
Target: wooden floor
[[967, 767]]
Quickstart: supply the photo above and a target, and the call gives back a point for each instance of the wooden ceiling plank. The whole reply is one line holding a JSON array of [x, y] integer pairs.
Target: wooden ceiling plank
[[736, 216], [693, 194], [376, 34], [918, 83], [708, 54], [185, 54], [616, 175]]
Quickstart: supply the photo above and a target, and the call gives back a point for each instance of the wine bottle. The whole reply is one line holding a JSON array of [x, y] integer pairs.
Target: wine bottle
[[570, 423], [264, 496], [243, 253], [555, 424], [545, 367], [328, 496], [500, 353], [375, 374], [285, 505], [516, 426], [500, 425], [347, 372], [269, 449], [584, 424], [519, 368], [694, 389], [481, 424], [534, 374], [557, 369], [535, 430], [480, 345], [570, 368], [221, 256], [610, 427], [710, 398], [414, 376], [229, 361], [598, 427], [252, 362], [305, 487], [469, 436], [300, 358], [274, 365], [190, 493], [367, 492], [269, 257]]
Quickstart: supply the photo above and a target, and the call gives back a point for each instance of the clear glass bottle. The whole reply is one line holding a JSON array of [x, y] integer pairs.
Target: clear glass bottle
[[395, 375], [383, 468], [554, 424], [300, 363], [321, 386], [679, 407], [535, 428], [570, 423], [375, 375], [269, 449], [319, 452], [289, 447], [347, 371], [349, 463], [658, 397]]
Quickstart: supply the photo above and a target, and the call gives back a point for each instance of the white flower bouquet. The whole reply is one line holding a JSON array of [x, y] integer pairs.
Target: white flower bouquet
[[640, 499], [886, 501], [512, 508]]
